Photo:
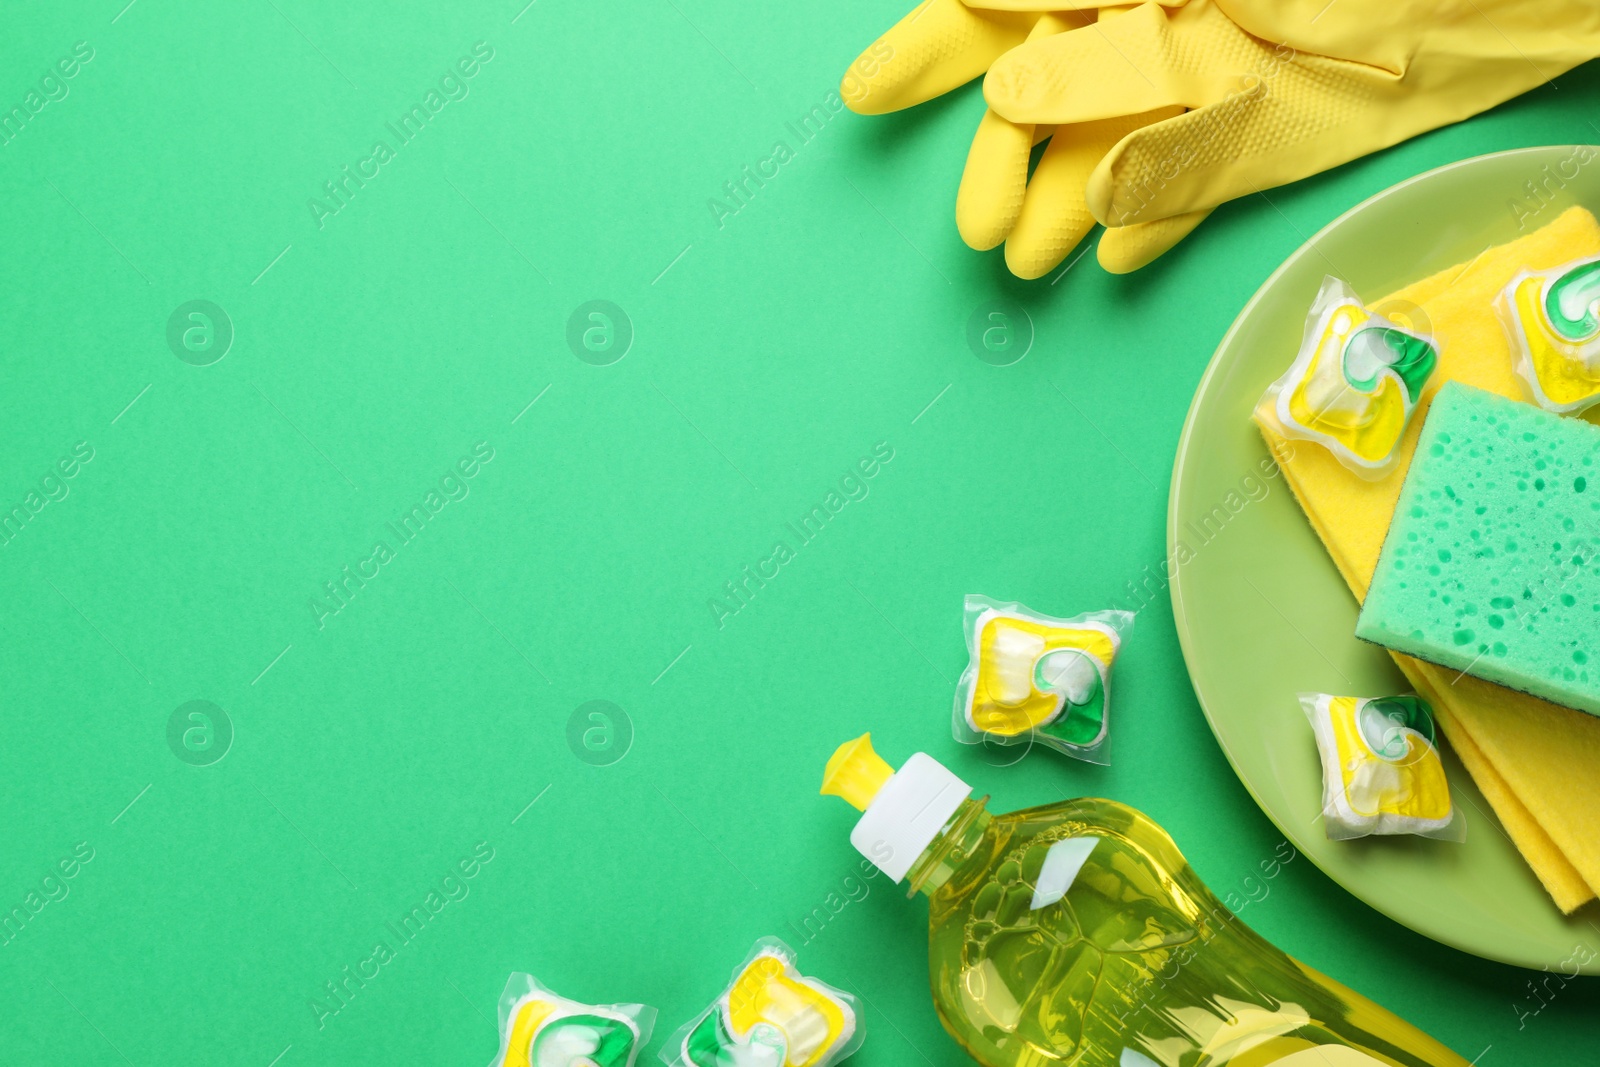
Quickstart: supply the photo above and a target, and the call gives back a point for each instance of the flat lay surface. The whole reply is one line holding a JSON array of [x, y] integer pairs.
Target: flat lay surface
[[457, 508]]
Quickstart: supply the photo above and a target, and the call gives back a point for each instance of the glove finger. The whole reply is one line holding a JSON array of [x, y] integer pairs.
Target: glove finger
[[1145, 59], [1284, 116], [996, 174], [1127, 248], [1054, 5], [1054, 216], [1283, 121], [993, 183], [941, 44]]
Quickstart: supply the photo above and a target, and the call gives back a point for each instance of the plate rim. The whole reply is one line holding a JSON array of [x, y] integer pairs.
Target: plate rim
[[1175, 586]]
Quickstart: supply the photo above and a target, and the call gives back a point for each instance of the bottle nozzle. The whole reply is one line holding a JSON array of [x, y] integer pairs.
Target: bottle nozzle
[[855, 772]]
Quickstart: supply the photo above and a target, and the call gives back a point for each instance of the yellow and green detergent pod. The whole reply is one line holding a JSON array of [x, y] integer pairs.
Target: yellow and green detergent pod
[[1381, 772], [1553, 318], [1354, 383], [1034, 677], [541, 1029], [770, 1016]]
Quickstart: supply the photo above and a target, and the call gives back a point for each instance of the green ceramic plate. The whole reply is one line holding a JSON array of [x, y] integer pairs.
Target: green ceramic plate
[[1262, 613]]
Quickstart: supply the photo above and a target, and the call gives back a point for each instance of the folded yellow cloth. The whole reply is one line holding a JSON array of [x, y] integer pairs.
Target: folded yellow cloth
[[1536, 763]]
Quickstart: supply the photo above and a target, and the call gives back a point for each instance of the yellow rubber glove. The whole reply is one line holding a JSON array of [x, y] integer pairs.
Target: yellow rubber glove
[[943, 44], [1276, 90]]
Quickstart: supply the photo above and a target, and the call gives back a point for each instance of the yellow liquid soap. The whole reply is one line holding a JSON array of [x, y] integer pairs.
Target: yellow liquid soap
[[1076, 934]]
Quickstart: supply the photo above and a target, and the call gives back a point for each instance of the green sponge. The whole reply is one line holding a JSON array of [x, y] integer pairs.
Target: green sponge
[[1492, 563]]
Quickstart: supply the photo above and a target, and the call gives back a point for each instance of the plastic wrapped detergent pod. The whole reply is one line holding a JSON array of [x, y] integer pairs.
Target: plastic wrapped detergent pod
[[1355, 382], [770, 1015], [1381, 772], [1553, 319], [538, 1028], [1032, 678]]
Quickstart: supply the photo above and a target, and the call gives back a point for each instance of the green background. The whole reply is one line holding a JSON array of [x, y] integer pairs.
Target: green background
[[369, 354]]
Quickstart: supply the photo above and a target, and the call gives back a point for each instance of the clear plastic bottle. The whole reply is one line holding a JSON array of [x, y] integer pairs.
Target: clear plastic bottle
[[1076, 934]]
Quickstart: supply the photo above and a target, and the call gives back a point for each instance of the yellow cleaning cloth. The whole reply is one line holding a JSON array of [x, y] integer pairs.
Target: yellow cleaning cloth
[[1537, 764]]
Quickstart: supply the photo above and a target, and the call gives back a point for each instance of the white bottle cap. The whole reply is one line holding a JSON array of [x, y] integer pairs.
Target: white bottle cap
[[907, 813]]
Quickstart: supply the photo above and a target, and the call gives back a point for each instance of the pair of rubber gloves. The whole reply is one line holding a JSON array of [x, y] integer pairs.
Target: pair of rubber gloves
[[1159, 112]]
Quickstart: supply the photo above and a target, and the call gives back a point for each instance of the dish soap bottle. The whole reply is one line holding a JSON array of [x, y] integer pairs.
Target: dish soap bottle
[[1075, 933]]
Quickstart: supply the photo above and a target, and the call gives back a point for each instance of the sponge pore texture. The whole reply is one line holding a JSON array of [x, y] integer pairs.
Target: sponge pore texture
[[1491, 565]]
